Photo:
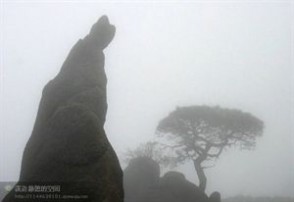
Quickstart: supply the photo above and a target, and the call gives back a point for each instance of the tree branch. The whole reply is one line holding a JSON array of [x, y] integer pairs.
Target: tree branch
[[217, 154]]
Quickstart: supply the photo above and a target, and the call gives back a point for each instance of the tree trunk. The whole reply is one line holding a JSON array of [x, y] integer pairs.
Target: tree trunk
[[200, 174]]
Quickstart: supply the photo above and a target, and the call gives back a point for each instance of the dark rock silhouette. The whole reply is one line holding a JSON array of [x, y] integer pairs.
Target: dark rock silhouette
[[143, 184], [176, 185], [68, 145], [215, 197], [141, 174]]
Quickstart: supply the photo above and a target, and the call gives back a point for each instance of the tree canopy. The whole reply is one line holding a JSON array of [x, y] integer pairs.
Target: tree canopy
[[201, 133], [148, 149]]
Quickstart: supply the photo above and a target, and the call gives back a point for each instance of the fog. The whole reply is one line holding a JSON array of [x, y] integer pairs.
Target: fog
[[235, 54]]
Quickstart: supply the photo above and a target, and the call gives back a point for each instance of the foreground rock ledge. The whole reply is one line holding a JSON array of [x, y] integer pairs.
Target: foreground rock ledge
[[68, 145]]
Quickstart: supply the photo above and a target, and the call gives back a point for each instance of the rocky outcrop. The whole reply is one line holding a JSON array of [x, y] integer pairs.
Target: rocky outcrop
[[215, 197], [143, 184], [175, 185], [68, 145], [141, 174]]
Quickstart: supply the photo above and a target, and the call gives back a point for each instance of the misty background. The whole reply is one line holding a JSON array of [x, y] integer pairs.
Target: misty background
[[235, 54]]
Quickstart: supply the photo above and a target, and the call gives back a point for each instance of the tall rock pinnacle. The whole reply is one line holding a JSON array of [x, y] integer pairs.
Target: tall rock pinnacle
[[68, 146]]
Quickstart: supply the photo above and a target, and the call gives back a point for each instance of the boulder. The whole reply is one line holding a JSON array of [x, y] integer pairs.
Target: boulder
[[68, 146], [215, 197], [175, 185], [142, 183], [141, 174]]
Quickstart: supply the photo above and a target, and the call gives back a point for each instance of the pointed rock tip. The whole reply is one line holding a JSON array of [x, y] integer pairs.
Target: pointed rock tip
[[103, 19]]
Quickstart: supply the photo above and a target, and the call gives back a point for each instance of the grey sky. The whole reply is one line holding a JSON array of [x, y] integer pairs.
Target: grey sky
[[236, 54]]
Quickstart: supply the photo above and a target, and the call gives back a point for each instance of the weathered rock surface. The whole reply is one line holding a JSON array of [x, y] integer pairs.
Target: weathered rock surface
[[141, 174], [143, 184], [174, 184], [215, 197], [68, 145]]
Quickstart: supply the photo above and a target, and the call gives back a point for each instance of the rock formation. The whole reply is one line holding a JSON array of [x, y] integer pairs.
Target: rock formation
[[174, 184], [142, 183], [141, 174], [215, 197], [68, 145]]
